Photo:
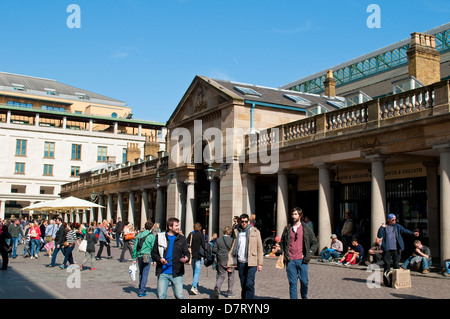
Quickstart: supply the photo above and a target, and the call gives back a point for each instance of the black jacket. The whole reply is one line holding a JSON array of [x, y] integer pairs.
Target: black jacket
[[198, 240], [180, 249], [310, 243], [60, 236], [91, 241]]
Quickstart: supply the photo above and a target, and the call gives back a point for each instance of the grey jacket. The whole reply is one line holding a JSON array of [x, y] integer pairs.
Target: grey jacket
[[222, 248], [15, 230]]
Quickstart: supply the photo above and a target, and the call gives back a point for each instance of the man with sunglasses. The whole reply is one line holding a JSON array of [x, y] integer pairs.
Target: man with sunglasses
[[246, 254], [392, 243], [298, 243]]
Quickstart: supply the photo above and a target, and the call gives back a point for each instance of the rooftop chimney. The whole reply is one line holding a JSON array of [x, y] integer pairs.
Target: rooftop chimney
[[330, 84], [424, 60]]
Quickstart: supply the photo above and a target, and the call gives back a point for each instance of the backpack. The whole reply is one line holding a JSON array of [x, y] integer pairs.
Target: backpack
[[141, 242], [207, 255]]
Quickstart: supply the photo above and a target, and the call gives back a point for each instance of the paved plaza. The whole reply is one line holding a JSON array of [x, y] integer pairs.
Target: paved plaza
[[30, 279]]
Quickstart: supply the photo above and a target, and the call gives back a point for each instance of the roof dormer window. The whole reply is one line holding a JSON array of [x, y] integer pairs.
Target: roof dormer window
[[18, 87], [246, 91]]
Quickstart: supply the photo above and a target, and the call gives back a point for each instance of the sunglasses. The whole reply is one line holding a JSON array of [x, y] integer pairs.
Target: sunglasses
[[244, 221]]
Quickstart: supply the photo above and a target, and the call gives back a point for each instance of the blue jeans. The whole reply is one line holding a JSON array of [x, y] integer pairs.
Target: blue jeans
[[68, 255], [144, 270], [425, 263], [55, 253], [163, 284], [196, 267], [15, 241], [327, 254], [297, 269], [35, 247], [118, 240], [247, 278]]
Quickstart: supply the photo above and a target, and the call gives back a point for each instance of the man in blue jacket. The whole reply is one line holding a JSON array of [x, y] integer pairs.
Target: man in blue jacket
[[392, 243]]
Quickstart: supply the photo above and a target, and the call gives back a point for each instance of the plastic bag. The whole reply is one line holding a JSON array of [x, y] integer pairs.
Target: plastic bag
[[132, 271], [83, 245]]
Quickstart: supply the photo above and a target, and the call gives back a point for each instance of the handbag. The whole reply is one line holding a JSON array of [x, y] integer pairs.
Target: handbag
[[280, 262], [83, 246], [129, 236], [401, 278], [66, 244], [48, 238]]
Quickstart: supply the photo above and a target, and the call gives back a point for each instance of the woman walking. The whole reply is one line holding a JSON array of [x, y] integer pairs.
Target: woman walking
[[128, 236], [91, 239], [71, 240]]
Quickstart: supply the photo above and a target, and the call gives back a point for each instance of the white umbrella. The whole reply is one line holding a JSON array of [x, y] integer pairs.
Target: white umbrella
[[68, 203]]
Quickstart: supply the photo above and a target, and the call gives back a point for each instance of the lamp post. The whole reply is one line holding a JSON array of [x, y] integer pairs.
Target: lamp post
[[213, 197]]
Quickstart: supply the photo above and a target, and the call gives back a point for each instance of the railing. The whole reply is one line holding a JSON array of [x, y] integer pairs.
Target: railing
[[374, 113]]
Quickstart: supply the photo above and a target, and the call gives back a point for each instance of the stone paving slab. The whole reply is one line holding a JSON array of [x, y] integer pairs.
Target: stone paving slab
[[30, 279]]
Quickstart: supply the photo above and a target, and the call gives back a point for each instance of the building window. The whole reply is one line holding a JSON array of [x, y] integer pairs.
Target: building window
[[48, 169], [101, 153], [49, 150], [76, 152], [20, 168], [21, 147], [74, 171]]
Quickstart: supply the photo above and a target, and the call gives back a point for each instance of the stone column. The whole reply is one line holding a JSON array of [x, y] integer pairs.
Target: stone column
[[131, 207], [101, 211], [2, 209], [109, 208], [159, 207], [282, 202], [213, 208], [190, 206], [119, 206], [432, 207], [325, 205], [444, 156], [378, 191], [144, 208]]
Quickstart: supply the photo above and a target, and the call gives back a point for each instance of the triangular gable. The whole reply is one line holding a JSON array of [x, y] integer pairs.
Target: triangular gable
[[202, 95]]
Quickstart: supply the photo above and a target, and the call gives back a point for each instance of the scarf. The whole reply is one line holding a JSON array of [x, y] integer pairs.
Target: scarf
[[247, 236]]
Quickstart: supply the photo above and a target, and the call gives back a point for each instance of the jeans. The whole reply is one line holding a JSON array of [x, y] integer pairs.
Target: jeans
[[396, 255], [297, 269], [425, 263], [144, 270], [247, 277], [196, 267], [35, 247], [222, 274], [15, 241], [163, 284], [55, 253], [118, 241], [327, 254], [68, 255]]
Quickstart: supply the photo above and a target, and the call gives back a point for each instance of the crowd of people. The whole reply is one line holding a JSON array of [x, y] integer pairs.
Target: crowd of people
[[239, 249]]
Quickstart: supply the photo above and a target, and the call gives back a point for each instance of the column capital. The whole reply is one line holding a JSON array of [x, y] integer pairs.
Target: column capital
[[189, 182], [322, 165], [377, 157]]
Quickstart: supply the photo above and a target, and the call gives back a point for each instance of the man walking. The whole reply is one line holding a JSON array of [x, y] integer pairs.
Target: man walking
[[119, 230], [16, 230], [392, 242], [246, 254], [170, 252], [221, 250], [60, 238], [298, 243]]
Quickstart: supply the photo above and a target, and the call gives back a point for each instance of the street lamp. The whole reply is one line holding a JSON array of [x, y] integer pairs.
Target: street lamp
[[94, 196], [158, 180], [210, 172]]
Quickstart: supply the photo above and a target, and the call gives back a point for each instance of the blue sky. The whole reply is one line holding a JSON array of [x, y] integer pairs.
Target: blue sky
[[147, 52]]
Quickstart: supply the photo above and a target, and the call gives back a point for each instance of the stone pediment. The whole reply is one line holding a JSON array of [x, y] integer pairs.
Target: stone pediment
[[201, 97]]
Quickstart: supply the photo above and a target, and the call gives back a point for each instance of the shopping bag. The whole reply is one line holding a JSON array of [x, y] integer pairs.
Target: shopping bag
[[83, 245], [280, 262], [401, 278], [132, 271]]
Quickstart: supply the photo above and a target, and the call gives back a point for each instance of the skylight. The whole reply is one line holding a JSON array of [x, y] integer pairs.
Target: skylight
[[246, 91], [297, 99]]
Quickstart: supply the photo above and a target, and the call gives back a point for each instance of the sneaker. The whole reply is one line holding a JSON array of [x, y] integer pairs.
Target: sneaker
[[31, 257], [230, 295], [425, 271], [347, 264], [338, 262], [36, 256], [194, 290], [143, 295], [446, 274], [330, 259], [62, 266], [93, 268], [216, 293]]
